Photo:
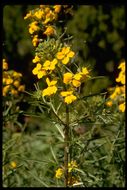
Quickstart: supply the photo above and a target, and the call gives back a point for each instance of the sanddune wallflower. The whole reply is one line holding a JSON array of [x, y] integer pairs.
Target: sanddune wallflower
[[57, 8], [39, 14], [39, 71], [49, 31], [36, 59], [77, 80], [21, 88], [118, 93], [35, 40], [68, 96], [122, 107], [121, 76], [51, 89], [33, 27], [65, 54], [59, 173], [109, 103], [50, 65], [67, 78], [5, 65], [72, 165]]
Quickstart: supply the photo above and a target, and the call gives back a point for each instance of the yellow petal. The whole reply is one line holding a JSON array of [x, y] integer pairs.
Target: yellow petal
[[48, 81], [35, 71], [60, 55], [76, 83], [69, 99], [65, 60], [41, 74], [39, 66], [85, 71], [67, 78], [66, 93], [77, 76], [54, 61], [71, 54], [53, 82], [65, 50]]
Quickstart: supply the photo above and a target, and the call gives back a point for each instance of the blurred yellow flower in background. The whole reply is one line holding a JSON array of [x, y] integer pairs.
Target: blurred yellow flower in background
[[13, 164]]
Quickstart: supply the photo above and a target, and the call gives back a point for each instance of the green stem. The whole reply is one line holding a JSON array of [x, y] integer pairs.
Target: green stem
[[66, 148]]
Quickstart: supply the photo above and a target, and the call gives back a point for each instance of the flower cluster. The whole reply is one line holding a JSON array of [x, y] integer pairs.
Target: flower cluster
[[51, 67], [73, 178], [42, 19], [119, 92], [11, 81], [53, 58]]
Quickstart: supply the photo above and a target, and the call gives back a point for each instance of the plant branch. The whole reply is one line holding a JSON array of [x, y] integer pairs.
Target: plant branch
[[66, 148]]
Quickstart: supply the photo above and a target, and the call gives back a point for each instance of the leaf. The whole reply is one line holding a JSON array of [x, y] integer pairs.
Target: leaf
[[39, 180], [53, 154]]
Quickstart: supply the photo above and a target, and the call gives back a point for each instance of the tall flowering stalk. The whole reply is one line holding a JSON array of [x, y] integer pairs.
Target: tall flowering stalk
[[53, 67]]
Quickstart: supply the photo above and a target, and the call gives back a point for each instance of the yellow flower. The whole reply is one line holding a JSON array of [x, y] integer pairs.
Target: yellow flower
[[49, 31], [14, 92], [122, 66], [66, 93], [39, 14], [28, 15], [33, 27], [122, 107], [65, 55], [76, 83], [76, 80], [16, 83], [72, 165], [21, 88], [121, 77], [51, 89], [5, 65], [57, 8], [5, 90], [36, 59], [50, 65], [9, 81], [85, 71], [116, 92], [13, 164], [39, 71], [16, 74], [67, 78], [69, 97], [35, 40], [59, 173], [109, 103]]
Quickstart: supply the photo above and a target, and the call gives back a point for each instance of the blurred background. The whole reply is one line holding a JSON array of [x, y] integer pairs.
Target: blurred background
[[98, 39]]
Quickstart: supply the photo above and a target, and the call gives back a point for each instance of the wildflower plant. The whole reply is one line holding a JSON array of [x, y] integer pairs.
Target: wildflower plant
[[84, 133], [60, 79]]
